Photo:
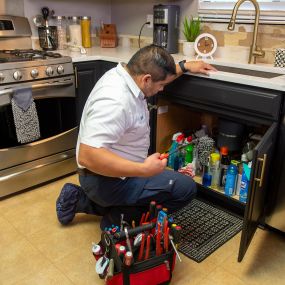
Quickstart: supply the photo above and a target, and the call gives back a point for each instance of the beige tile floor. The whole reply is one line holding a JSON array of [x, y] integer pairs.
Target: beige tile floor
[[36, 250]]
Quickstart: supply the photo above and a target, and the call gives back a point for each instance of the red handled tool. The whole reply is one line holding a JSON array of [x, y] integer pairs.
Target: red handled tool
[[141, 247], [142, 219], [147, 247], [152, 206], [158, 238], [166, 240], [167, 153], [146, 217]]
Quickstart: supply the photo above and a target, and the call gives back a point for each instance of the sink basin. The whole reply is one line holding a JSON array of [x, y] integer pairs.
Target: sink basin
[[244, 71]]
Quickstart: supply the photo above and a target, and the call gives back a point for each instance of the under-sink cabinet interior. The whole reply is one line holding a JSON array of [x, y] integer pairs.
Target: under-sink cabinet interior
[[190, 102], [173, 118]]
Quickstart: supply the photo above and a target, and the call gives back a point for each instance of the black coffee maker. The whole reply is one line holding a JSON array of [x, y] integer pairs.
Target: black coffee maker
[[166, 26]]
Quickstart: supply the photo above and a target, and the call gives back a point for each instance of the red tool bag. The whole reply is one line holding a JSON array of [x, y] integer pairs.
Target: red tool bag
[[147, 261]]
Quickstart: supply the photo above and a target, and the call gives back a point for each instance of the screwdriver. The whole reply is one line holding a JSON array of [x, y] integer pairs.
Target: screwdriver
[[174, 247], [167, 153]]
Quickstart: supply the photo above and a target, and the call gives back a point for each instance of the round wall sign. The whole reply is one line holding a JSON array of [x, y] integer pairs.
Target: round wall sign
[[205, 45]]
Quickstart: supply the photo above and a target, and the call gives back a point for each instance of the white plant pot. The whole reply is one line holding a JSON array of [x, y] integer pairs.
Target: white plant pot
[[188, 49]]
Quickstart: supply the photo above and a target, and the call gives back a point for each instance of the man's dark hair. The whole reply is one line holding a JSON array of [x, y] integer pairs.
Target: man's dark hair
[[153, 60]]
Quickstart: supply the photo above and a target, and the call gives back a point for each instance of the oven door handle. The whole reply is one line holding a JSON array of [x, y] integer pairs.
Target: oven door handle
[[65, 83], [6, 94]]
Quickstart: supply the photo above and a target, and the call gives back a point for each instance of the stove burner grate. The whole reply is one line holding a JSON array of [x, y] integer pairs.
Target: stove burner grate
[[26, 55]]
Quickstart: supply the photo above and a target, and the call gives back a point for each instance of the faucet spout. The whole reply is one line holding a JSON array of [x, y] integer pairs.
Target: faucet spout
[[254, 49]]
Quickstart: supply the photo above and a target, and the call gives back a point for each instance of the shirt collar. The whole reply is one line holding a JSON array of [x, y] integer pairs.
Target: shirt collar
[[130, 81]]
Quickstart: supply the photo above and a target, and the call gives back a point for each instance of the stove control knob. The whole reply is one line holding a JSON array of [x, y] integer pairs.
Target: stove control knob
[[34, 73], [49, 71], [17, 75], [60, 69], [2, 77]]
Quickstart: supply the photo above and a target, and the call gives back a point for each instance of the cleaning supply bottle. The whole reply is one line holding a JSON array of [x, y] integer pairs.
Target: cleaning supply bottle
[[178, 156], [195, 162], [207, 177], [188, 150], [225, 162], [231, 179], [244, 182], [215, 168], [173, 147], [240, 171]]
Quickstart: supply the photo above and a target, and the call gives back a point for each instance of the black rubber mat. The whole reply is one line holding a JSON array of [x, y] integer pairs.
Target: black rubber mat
[[204, 228]]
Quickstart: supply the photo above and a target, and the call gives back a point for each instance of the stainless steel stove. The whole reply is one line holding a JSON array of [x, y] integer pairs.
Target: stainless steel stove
[[49, 78], [27, 65]]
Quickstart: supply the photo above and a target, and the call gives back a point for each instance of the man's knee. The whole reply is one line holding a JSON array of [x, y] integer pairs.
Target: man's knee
[[184, 188]]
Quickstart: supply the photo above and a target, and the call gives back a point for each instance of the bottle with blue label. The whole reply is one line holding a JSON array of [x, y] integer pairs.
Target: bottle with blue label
[[207, 177], [244, 184], [173, 147], [178, 160], [231, 179]]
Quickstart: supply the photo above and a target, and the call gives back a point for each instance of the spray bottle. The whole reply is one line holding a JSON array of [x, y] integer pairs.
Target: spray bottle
[[173, 147]]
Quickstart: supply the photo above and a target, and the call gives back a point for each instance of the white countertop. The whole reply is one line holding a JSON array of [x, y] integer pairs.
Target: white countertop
[[122, 54]]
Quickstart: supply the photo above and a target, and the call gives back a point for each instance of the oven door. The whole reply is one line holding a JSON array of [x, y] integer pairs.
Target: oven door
[[55, 104]]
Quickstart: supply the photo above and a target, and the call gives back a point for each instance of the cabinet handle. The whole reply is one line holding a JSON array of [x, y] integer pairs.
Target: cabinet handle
[[76, 77], [263, 160]]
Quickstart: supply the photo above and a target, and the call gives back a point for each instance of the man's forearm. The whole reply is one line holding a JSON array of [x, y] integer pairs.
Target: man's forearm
[[195, 66]]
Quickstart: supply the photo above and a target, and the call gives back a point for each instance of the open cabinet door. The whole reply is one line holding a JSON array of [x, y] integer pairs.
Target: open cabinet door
[[256, 193]]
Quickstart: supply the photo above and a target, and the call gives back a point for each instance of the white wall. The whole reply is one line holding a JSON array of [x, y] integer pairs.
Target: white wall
[[12, 7], [130, 15], [99, 10]]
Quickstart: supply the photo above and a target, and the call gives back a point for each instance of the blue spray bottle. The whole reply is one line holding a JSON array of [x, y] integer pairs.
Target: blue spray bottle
[[174, 146], [231, 180], [244, 184]]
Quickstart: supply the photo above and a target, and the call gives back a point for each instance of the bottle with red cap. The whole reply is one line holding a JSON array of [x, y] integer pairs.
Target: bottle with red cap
[[225, 162]]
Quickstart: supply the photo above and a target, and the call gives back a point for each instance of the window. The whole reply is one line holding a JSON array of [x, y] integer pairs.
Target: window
[[272, 11]]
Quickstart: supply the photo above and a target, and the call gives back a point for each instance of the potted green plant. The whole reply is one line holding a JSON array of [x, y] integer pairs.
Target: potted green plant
[[191, 30]]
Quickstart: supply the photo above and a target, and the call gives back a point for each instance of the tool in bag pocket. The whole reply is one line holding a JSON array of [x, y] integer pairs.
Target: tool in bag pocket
[[140, 255]]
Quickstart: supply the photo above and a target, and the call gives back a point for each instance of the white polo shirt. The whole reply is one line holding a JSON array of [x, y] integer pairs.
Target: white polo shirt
[[116, 117]]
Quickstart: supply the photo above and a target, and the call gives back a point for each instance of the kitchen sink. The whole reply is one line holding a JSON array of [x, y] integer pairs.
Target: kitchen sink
[[250, 72]]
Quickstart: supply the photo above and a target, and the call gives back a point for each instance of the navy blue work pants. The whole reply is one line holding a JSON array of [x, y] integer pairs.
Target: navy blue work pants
[[170, 189]]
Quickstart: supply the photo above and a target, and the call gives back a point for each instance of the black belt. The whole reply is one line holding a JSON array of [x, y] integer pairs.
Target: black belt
[[85, 172]]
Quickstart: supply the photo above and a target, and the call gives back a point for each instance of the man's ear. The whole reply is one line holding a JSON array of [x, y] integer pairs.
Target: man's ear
[[146, 78]]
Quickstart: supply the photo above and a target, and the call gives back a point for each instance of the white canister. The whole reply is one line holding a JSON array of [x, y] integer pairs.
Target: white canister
[[75, 37], [279, 57]]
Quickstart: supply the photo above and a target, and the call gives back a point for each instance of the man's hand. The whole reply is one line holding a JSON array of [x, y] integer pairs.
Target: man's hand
[[199, 67], [153, 165]]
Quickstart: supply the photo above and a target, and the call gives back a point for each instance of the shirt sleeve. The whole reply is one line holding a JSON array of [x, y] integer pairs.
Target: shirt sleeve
[[105, 121]]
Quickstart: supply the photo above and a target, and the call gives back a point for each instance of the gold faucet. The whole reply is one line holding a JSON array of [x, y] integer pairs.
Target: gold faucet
[[254, 49]]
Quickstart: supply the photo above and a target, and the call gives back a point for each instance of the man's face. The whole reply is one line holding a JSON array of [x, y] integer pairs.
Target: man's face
[[151, 87]]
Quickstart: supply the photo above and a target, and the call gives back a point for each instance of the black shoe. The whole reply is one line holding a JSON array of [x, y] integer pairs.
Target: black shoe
[[66, 203]]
